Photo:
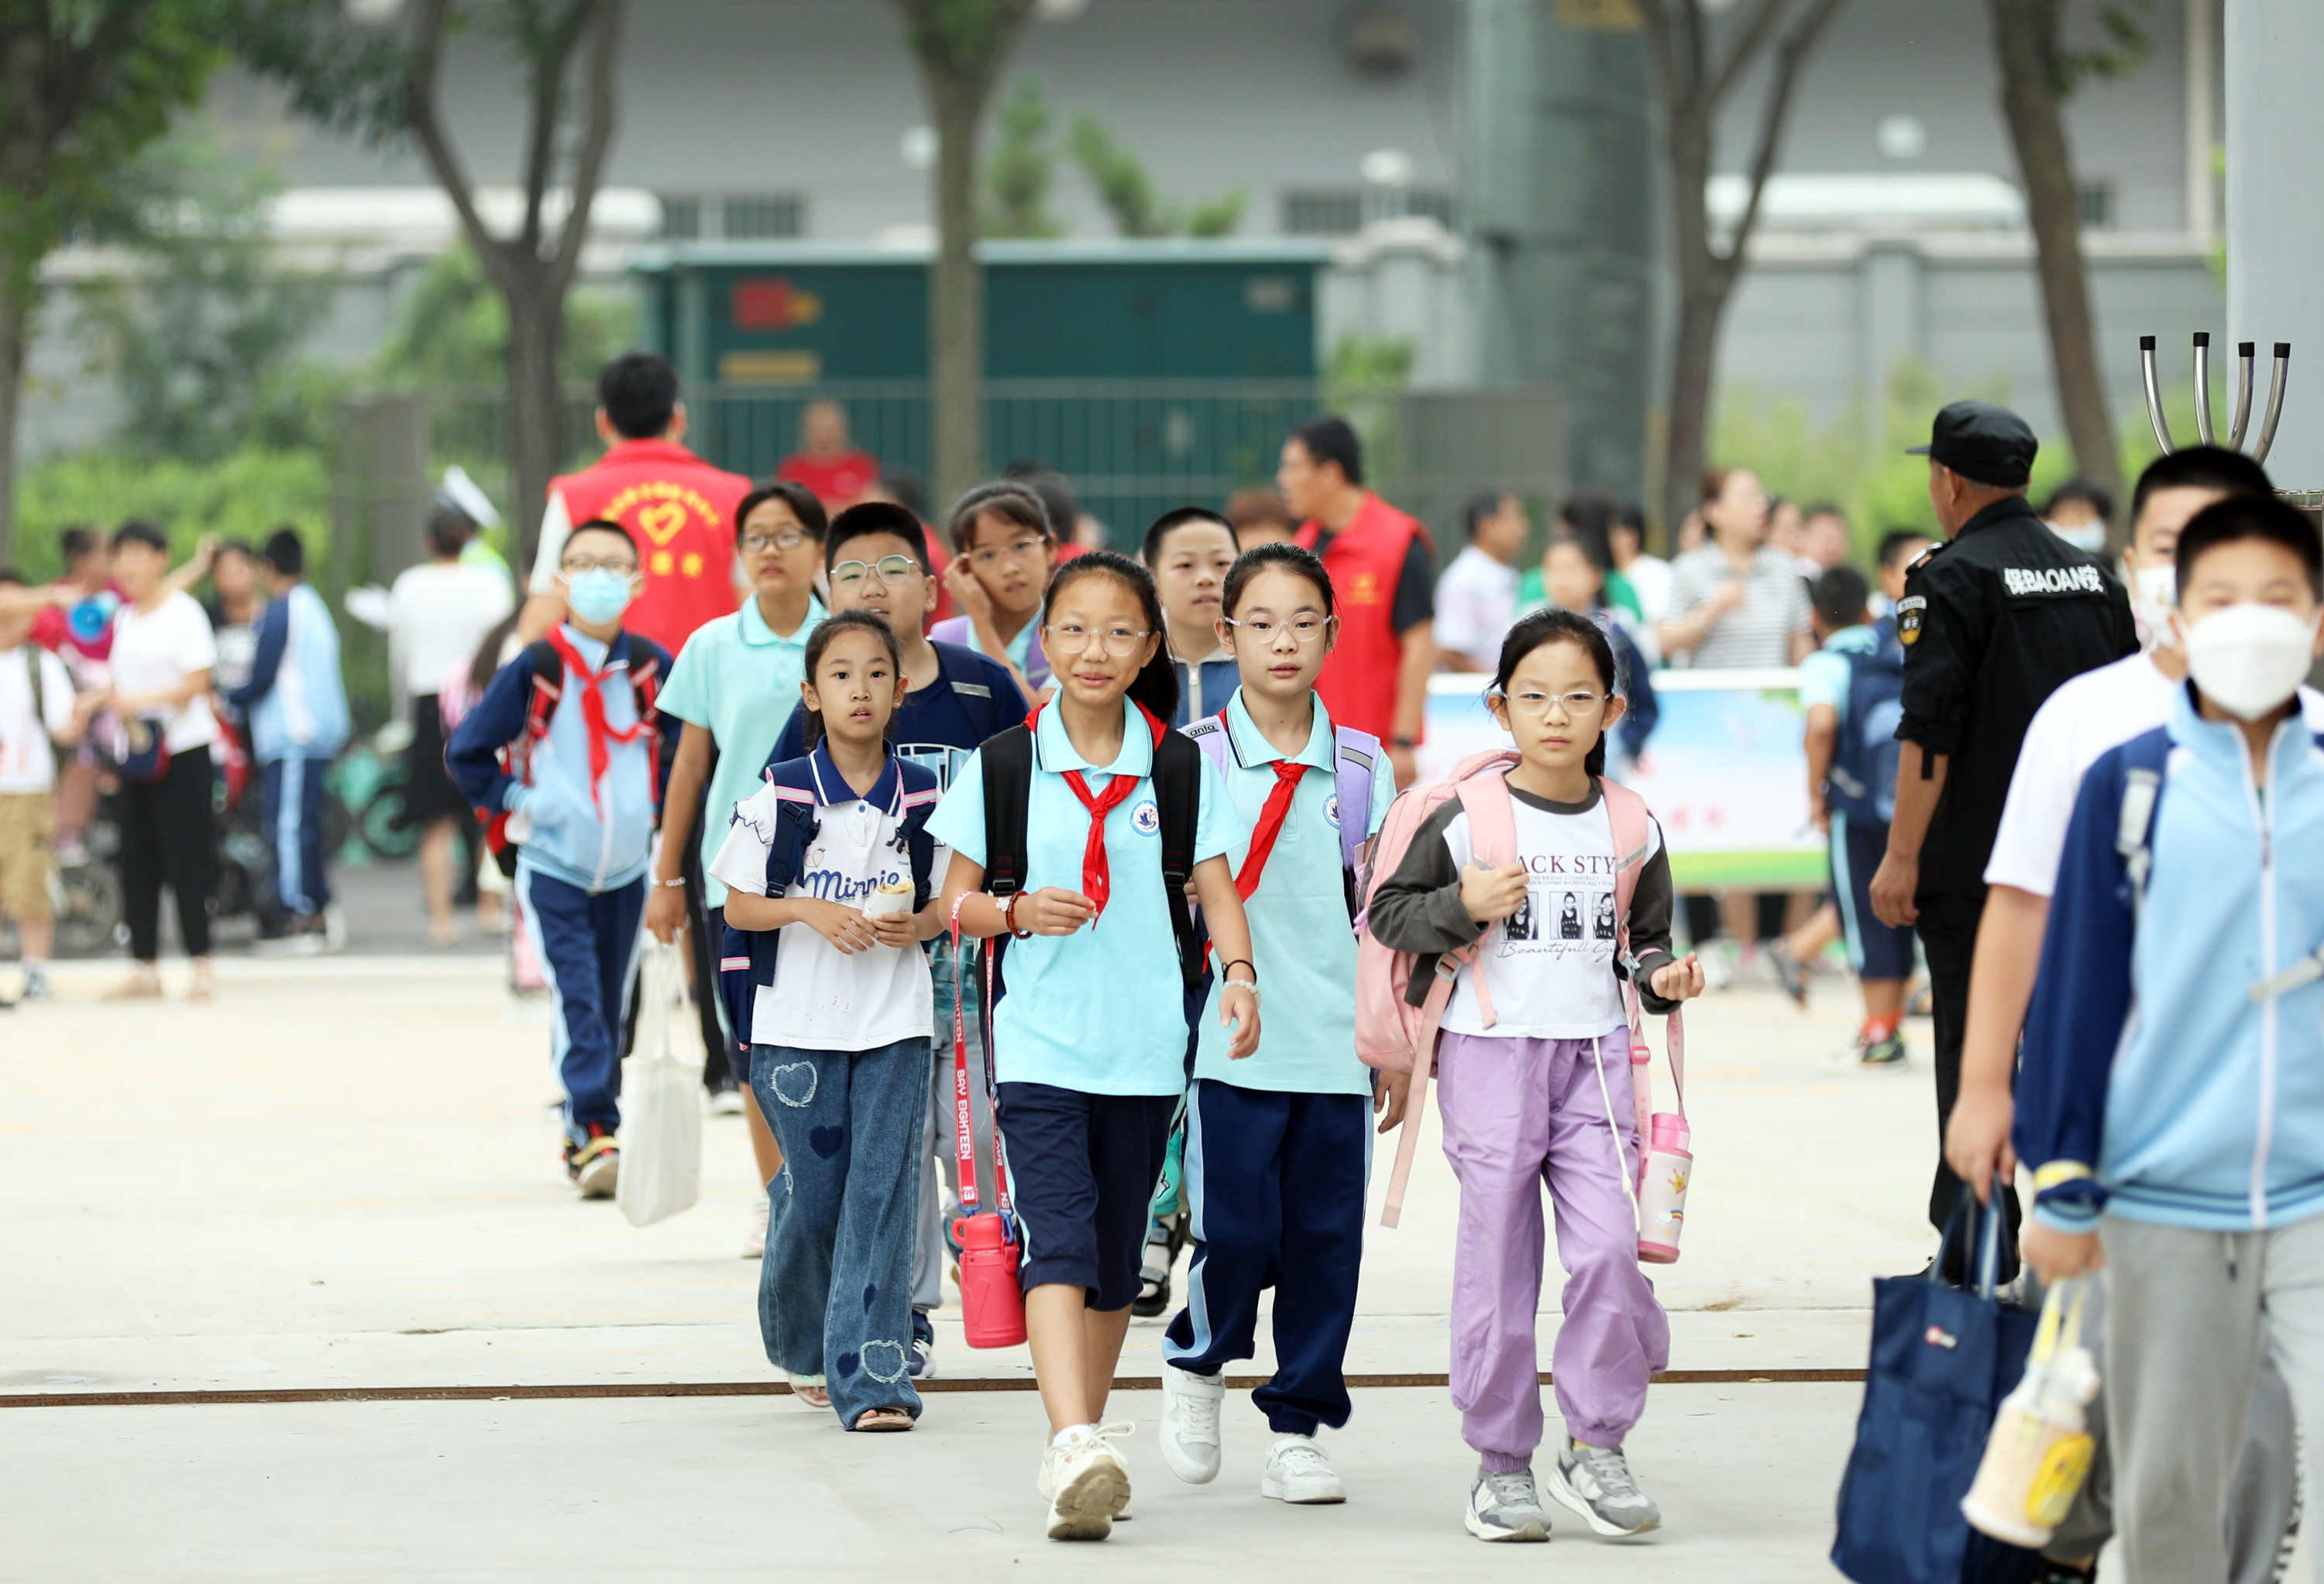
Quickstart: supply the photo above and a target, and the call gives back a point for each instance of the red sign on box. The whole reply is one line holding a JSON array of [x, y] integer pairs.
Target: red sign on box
[[773, 305]]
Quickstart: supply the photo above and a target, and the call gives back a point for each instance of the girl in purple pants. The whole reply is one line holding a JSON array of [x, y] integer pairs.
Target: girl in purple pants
[[1540, 1095]]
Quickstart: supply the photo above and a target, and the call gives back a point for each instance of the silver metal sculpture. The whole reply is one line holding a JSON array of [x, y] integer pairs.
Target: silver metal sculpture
[[2246, 355]]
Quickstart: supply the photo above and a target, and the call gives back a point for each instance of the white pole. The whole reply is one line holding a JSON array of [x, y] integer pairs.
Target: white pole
[[2275, 228]]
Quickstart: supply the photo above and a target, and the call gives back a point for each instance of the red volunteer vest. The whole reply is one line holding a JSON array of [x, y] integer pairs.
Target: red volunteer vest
[[681, 512], [1358, 685]]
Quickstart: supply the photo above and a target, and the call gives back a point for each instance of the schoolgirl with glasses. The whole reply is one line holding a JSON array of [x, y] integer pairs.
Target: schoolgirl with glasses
[[1535, 1085], [1004, 548]]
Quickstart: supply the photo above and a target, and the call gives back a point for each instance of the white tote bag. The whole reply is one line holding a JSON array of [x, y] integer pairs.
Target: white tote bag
[[661, 1096]]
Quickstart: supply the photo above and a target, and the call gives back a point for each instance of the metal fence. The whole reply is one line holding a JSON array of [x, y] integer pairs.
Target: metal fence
[[1131, 450]]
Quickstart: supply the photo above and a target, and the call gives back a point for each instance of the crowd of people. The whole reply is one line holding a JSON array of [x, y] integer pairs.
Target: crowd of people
[[883, 784]]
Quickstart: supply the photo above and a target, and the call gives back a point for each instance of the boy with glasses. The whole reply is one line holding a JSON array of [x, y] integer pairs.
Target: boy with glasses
[[732, 684], [572, 771], [876, 559]]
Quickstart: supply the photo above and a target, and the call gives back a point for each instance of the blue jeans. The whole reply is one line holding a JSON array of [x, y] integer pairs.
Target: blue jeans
[[835, 1286]]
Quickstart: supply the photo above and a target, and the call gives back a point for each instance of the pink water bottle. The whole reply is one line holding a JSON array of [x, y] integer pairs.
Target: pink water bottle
[[991, 1299], [1661, 1198]]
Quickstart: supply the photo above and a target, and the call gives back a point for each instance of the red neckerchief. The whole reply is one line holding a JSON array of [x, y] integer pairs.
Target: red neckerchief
[[1097, 879], [1287, 772], [593, 711]]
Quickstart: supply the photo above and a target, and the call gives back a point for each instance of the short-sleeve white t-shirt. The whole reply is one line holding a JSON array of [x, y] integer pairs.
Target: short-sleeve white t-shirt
[[155, 650], [823, 998]]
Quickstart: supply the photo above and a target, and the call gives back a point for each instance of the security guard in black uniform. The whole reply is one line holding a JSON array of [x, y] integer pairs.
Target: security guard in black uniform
[[1992, 622]]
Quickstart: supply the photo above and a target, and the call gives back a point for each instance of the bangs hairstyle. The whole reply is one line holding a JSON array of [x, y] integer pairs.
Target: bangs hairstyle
[[137, 531], [599, 525], [871, 517], [2201, 467], [1171, 521], [1157, 687], [2251, 517], [1551, 625], [802, 500], [1295, 559], [819, 643], [1010, 500]]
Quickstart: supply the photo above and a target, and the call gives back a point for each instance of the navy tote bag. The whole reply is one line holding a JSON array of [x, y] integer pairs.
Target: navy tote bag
[[1942, 1359]]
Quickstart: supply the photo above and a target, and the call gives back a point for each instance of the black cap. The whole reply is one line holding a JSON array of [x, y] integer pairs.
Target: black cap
[[1985, 444]]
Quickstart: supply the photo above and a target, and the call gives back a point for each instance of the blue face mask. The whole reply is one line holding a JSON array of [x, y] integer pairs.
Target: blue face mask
[[598, 594]]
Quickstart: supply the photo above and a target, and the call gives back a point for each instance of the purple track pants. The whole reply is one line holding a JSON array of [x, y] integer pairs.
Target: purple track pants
[[1518, 1113]]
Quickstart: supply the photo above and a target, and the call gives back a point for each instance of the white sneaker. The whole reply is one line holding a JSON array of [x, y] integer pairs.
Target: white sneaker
[[1506, 1506], [1086, 1484], [335, 927], [726, 1102], [1299, 1472], [1190, 1424], [754, 1246], [1596, 1482]]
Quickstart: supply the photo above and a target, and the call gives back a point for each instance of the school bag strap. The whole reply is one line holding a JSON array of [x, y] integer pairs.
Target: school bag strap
[[1353, 756], [1178, 777], [746, 958]]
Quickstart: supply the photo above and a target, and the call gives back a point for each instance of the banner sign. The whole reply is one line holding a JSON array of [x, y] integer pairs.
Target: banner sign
[[1726, 772]]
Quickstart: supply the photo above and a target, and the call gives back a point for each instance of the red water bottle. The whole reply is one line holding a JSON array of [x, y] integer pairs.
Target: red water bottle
[[991, 1300]]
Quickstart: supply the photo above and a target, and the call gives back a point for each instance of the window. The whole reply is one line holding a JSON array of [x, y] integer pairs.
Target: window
[[1341, 211], [761, 215], [681, 218], [2094, 200]]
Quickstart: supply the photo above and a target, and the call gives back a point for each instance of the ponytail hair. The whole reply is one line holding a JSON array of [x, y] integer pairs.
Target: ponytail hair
[[819, 641], [1157, 687], [1552, 625]]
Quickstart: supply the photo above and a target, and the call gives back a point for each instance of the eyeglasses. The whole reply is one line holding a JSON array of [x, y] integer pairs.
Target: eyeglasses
[[887, 569], [759, 544], [574, 565], [1017, 550], [1302, 629], [1537, 706], [1073, 638]]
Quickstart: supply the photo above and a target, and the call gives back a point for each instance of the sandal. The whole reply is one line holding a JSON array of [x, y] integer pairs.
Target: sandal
[[809, 1389], [885, 1419]]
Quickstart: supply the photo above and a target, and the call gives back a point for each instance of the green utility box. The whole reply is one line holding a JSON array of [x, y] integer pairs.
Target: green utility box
[[777, 314]]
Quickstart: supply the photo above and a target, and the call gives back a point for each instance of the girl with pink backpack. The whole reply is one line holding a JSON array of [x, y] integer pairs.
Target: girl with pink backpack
[[1517, 886]]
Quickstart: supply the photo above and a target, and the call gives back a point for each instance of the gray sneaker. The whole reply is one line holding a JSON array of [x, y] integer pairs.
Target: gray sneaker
[[1506, 1506], [1595, 1482]]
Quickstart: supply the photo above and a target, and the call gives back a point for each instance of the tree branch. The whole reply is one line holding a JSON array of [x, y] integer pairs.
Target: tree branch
[[419, 94], [1790, 56], [596, 140], [1662, 45], [1757, 30]]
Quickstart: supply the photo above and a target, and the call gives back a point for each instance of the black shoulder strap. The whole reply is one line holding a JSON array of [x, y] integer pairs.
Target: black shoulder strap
[[1008, 759], [1178, 790]]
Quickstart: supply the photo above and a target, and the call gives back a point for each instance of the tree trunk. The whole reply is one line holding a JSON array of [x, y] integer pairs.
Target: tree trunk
[[956, 291], [2026, 41], [1694, 351], [535, 316], [15, 319]]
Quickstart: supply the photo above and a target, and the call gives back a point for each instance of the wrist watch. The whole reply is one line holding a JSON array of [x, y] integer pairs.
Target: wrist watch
[[1401, 741]]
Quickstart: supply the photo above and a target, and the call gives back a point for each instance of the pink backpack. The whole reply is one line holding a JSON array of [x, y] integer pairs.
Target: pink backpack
[[1391, 1032]]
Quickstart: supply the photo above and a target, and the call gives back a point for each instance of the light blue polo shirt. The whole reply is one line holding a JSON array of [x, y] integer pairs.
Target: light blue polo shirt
[[740, 678], [1102, 1010], [1301, 942]]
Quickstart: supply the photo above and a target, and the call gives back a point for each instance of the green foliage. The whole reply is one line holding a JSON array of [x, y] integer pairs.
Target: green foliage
[[964, 39], [453, 334], [1362, 380], [244, 494], [200, 335], [2126, 47], [1018, 172], [109, 75], [344, 77], [1128, 192]]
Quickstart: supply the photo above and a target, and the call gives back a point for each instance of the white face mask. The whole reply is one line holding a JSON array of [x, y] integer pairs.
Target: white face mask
[[2248, 659], [2153, 591], [2090, 537]]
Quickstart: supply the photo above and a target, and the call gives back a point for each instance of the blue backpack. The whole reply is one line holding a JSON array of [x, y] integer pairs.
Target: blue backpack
[[746, 959], [1862, 782]]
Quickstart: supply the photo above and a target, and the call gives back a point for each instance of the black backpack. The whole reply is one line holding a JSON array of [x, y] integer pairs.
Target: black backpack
[[1178, 779]]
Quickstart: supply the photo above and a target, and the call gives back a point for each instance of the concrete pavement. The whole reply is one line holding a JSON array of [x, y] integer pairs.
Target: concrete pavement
[[342, 1175]]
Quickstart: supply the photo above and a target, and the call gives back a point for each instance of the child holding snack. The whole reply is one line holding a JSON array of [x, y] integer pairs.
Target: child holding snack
[[1277, 1144], [832, 852], [1077, 833], [1541, 1091]]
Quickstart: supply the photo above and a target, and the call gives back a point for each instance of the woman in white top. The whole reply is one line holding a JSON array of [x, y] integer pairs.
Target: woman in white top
[[437, 613], [1736, 601], [162, 657]]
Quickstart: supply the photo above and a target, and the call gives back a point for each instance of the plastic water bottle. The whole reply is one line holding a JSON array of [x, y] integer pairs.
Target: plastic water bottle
[[991, 1299], [1662, 1197], [2039, 1452]]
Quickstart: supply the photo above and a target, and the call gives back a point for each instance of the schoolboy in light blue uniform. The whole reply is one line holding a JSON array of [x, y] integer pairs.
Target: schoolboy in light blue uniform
[[1279, 1144]]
